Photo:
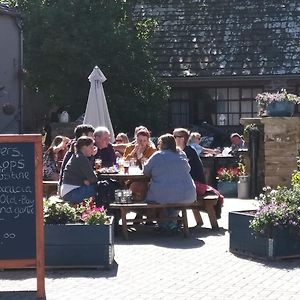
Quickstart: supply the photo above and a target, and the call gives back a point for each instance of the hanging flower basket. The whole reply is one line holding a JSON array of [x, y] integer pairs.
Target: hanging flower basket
[[8, 108]]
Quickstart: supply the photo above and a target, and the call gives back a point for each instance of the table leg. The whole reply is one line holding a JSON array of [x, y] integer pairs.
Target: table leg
[[124, 222], [185, 223]]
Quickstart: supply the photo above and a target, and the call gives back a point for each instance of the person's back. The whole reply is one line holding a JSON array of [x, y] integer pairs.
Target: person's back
[[170, 178]]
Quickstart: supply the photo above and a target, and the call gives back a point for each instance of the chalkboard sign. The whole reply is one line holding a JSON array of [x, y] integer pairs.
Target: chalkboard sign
[[21, 205], [17, 201]]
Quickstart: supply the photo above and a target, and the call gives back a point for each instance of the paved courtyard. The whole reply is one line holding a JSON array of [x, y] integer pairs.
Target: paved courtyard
[[153, 266]]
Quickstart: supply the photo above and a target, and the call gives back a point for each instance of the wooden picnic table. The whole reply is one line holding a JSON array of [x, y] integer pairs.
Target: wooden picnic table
[[122, 178]]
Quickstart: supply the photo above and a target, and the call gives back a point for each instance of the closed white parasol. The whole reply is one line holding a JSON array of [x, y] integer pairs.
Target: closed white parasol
[[96, 112]]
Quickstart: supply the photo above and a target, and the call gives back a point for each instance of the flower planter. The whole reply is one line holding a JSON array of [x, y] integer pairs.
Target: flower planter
[[227, 188], [79, 245], [280, 109], [281, 242]]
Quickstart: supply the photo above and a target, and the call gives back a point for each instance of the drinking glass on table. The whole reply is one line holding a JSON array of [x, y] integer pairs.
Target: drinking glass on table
[[98, 164], [126, 166]]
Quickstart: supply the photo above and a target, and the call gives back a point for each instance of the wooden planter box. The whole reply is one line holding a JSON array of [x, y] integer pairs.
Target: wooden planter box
[[79, 245], [283, 242]]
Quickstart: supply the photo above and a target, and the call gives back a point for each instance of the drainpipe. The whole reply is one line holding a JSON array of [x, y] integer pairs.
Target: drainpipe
[[254, 152]]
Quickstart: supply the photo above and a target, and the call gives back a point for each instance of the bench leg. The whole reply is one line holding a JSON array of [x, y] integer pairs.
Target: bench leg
[[212, 216], [124, 222], [185, 223], [197, 217]]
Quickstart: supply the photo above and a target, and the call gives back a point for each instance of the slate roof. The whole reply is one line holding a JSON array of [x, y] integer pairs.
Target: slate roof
[[5, 10], [196, 38]]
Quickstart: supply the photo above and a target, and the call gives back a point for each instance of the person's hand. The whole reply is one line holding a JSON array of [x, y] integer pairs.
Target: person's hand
[[86, 182], [95, 150]]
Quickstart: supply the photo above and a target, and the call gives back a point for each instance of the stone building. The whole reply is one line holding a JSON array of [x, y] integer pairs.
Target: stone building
[[217, 55], [11, 71]]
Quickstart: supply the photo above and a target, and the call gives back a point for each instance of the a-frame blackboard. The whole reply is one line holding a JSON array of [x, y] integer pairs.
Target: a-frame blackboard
[[21, 205]]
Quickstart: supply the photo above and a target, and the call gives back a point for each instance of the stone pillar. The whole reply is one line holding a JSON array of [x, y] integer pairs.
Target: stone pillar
[[282, 141], [278, 149]]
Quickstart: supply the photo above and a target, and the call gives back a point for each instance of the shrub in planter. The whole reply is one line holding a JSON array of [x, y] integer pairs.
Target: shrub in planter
[[81, 236], [227, 181], [273, 231], [58, 212]]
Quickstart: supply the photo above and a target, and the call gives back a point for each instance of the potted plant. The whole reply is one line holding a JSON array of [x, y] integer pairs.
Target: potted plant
[[243, 182], [273, 230], [280, 104], [227, 181], [81, 236]]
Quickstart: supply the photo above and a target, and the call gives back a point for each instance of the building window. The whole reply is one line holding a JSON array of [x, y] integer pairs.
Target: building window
[[219, 106], [179, 108], [234, 103]]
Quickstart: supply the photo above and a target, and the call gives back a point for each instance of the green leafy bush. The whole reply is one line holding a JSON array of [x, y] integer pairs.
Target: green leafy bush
[[58, 212], [295, 178]]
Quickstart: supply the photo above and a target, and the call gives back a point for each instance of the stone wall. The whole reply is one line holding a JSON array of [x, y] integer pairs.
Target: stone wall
[[278, 149], [282, 141]]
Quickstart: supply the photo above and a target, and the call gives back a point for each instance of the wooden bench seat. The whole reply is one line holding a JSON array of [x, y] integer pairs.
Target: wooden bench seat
[[49, 188], [205, 204]]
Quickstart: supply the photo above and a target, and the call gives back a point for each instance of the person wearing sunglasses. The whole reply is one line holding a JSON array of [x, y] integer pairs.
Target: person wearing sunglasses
[[121, 139], [181, 136]]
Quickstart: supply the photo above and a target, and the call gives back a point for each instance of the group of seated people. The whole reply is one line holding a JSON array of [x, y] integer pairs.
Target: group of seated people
[[174, 167]]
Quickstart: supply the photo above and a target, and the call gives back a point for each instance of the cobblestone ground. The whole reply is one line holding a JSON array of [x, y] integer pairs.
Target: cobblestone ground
[[152, 266]]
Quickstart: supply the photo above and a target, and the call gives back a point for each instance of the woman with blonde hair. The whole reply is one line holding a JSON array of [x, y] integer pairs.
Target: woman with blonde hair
[[194, 142], [121, 142]]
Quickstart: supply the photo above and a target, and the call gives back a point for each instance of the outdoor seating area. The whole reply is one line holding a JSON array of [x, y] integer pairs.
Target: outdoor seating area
[[149, 150]]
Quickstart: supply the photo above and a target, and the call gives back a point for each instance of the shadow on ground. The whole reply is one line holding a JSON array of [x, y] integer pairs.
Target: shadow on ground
[[21, 274], [24, 295], [287, 263], [142, 235]]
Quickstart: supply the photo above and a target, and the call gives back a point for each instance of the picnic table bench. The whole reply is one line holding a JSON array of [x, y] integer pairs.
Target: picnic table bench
[[205, 204]]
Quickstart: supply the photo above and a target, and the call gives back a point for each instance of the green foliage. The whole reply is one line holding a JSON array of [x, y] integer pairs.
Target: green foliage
[[58, 212], [64, 40], [249, 128]]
